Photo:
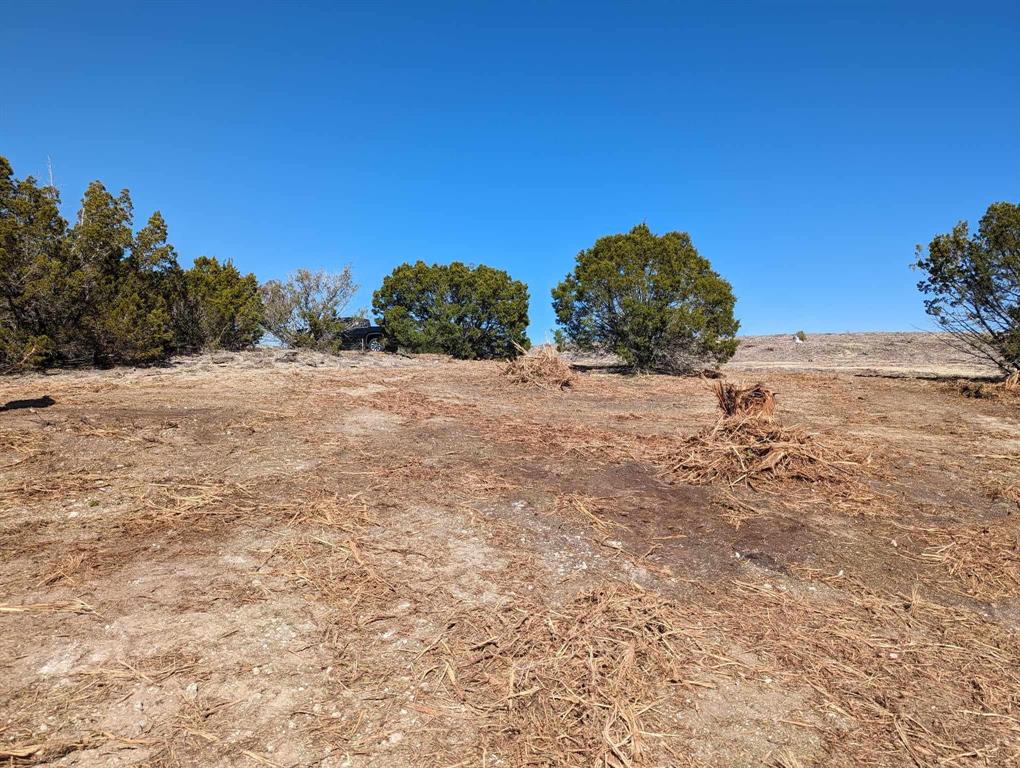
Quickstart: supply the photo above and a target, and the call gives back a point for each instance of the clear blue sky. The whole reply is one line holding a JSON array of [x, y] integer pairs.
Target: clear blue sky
[[805, 146]]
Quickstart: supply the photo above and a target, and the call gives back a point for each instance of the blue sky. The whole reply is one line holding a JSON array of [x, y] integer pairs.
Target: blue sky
[[805, 146]]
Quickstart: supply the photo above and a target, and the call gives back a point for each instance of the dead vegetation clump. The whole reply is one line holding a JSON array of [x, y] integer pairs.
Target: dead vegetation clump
[[593, 683], [737, 401], [752, 450], [541, 367], [1008, 388], [749, 445]]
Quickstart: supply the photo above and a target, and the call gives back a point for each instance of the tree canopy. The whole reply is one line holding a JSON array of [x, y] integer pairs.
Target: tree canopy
[[224, 307], [972, 284], [455, 309], [653, 300], [98, 292], [306, 309]]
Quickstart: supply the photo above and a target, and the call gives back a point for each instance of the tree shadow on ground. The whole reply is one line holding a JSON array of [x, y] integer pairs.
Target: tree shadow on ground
[[37, 402]]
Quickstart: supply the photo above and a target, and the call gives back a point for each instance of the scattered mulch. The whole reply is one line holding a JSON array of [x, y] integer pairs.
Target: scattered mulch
[[595, 682], [904, 679], [984, 558]]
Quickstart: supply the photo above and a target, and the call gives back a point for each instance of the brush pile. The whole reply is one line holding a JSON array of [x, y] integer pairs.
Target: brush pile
[[737, 401], [596, 682], [1012, 383], [749, 445], [541, 367]]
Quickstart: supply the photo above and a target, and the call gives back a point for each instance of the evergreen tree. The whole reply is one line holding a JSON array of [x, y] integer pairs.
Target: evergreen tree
[[972, 285], [32, 301], [466, 312], [653, 300], [100, 294], [97, 246], [225, 307]]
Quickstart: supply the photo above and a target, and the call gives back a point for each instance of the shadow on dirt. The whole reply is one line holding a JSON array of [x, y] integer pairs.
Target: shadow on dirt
[[38, 402]]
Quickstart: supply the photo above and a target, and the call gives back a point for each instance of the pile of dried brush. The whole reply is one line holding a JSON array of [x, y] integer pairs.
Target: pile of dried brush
[[1012, 382], [749, 445], [596, 682], [541, 367], [745, 401]]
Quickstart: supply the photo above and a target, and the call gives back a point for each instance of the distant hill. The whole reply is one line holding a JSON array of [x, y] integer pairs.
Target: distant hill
[[890, 354]]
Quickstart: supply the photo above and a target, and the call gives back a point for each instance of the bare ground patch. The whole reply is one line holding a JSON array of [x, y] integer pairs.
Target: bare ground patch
[[259, 563]]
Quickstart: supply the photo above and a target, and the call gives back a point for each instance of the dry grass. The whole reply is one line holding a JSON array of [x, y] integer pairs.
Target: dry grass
[[407, 538], [985, 558], [904, 680], [78, 606], [593, 683], [541, 367], [589, 509], [1012, 382]]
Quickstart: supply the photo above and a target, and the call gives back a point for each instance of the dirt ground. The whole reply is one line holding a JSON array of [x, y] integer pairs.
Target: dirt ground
[[881, 354], [243, 560]]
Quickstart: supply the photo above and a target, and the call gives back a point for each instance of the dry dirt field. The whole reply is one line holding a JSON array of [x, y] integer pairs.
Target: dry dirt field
[[878, 354], [381, 561]]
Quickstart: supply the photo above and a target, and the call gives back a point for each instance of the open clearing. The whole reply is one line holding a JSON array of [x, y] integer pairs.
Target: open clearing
[[379, 561]]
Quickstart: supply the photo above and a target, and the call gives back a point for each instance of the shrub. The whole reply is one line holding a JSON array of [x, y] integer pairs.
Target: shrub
[[306, 309], [973, 285], [454, 309], [801, 335], [224, 307], [651, 299]]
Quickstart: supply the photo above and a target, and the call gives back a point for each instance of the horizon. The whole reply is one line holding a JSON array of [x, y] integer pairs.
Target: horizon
[[805, 149]]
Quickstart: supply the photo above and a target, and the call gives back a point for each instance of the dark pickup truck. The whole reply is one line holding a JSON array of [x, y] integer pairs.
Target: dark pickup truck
[[361, 334]]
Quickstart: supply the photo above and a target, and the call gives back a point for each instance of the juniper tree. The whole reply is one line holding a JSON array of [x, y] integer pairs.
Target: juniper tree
[[972, 284], [225, 306], [653, 300], [466, 312], [32, 300]]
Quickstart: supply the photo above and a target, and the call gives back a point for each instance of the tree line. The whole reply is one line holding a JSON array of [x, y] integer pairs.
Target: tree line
[[98, 292]]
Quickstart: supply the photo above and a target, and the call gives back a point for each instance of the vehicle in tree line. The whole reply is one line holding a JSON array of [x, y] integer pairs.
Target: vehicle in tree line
[[359, 333]]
